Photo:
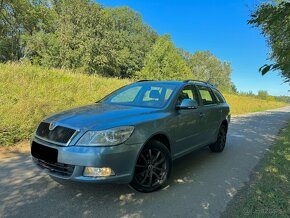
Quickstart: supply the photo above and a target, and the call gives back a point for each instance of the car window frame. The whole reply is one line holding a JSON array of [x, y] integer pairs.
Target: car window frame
[[211, 94], [193, 88], [223, 98]]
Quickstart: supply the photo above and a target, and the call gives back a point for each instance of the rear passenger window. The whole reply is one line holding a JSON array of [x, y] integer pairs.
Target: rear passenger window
[[206, 95], [219, 97]]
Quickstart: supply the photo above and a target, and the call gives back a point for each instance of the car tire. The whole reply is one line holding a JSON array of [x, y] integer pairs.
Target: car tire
[[220, 143], [153, 167]]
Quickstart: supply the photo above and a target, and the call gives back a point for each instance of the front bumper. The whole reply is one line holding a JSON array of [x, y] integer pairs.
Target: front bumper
[[121, 159]]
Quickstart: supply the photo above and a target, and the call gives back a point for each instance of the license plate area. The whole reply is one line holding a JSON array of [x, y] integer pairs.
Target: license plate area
[[43, 152]]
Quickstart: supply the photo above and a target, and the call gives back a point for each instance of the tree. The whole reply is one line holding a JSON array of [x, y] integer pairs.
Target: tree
[[164, 62], [84, 34], [262, 94], [131, 40], [207, 67], [234, 88], [273, 19], [18, 18], [75, 37]]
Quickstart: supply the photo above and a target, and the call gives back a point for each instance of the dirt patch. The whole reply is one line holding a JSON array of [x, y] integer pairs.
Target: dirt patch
[[19, 148]]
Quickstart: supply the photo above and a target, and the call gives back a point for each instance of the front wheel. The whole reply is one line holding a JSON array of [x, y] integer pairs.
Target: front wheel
[[153, 167], [220, 143]]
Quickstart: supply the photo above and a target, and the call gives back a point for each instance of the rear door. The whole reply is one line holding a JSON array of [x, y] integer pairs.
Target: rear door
[[224, 109], [209, 114]]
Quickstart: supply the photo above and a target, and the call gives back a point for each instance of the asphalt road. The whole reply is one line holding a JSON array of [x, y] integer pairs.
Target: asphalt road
[[202, 183]]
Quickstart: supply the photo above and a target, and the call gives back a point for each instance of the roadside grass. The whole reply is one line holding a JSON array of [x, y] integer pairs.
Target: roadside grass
[[268, 192], [241, 104], [29, 93]]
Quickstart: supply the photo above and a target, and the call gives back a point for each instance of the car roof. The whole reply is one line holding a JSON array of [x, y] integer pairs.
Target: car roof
[[177, 82]]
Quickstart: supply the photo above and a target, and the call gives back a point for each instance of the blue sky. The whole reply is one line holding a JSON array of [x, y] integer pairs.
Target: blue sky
[[218, 26]]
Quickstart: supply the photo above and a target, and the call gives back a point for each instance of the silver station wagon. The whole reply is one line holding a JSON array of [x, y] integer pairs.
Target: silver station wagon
[[133, 134]]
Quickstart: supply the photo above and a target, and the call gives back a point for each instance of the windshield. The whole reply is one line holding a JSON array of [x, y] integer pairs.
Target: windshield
[[141, 94]]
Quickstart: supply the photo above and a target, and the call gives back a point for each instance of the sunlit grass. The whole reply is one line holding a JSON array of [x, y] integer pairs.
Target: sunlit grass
[[29, 93], [246, 104], [268, 193]]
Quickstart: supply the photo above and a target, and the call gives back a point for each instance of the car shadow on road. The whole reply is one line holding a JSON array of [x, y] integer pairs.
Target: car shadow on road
[[28, 192]]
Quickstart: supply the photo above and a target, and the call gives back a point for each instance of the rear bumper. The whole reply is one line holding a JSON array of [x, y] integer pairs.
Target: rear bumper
[[121, 159]]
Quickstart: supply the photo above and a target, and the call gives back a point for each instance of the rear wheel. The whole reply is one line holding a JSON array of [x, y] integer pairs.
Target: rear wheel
[[220, 143], [153, 167]]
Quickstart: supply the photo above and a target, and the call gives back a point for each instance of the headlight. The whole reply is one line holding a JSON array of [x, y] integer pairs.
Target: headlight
[[106, 137]]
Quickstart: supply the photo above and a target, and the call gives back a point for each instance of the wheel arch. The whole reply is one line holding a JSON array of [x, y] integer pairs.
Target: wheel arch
[[164, 139], [161, 137]]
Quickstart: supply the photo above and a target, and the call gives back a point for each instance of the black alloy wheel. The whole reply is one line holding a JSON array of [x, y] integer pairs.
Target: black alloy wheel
[[152, 168]]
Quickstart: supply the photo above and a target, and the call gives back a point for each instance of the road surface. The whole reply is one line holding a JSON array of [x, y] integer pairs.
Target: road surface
[[202, 183]]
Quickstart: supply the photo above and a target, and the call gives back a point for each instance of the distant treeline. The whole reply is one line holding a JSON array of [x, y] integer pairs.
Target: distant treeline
[[263, 94], [82, 34]]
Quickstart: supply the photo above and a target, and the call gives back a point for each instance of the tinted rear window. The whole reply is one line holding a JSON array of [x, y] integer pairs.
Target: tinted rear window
[[219, 97]]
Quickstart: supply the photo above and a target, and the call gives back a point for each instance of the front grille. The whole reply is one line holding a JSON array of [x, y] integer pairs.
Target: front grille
[[64, 170], [59, 134]]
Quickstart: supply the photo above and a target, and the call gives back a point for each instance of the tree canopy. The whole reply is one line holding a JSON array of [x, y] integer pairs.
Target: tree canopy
[[164, 62], [206, 67], [273, 18], [75, 34], [82, 34]]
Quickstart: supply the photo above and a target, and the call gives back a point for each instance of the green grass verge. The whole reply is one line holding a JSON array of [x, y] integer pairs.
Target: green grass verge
[[241, 104], [268, 192], [29, 93]]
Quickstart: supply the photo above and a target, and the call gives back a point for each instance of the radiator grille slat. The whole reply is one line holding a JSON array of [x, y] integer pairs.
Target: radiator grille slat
[[59, 134]]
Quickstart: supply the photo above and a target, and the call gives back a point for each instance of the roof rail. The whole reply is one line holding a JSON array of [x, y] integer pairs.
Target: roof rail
[[192, 80], [144, 80]]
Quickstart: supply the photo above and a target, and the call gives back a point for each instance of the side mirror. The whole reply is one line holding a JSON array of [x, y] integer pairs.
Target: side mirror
[[187, 104]]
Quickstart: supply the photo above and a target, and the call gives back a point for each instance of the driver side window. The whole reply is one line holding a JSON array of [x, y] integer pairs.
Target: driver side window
[[188, 92]]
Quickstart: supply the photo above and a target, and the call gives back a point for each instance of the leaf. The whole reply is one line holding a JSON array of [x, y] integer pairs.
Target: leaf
[[265, 69], [272, 18], [262, 67]]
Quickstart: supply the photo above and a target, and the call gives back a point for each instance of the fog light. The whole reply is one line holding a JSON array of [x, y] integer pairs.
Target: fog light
[[94, 171]]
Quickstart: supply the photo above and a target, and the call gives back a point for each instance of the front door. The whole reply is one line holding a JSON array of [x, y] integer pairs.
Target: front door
[[187, 123]]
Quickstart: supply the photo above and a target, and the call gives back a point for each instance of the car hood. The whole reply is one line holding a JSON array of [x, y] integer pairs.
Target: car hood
[[96, 115]]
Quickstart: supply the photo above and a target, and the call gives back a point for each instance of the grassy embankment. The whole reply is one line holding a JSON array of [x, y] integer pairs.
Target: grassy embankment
[[241, 104], [267, 194], [29, 93]]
